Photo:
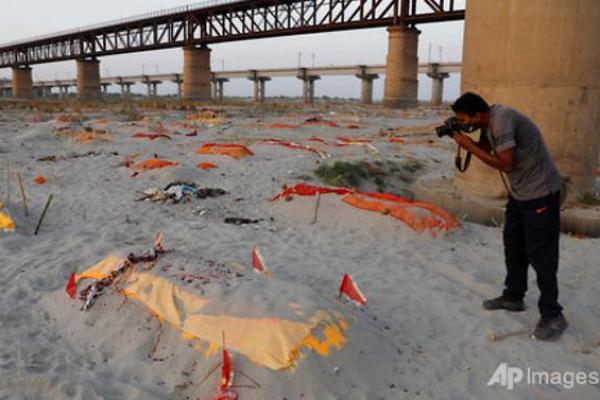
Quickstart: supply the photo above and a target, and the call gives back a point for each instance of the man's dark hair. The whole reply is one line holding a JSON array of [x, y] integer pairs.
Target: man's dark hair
[[470, 104]]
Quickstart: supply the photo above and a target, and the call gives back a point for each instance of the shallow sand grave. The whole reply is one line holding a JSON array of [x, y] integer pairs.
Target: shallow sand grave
[[423, 334]]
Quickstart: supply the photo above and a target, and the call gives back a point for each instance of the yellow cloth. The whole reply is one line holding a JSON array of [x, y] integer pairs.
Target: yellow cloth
[[6, 222], [267, 341]]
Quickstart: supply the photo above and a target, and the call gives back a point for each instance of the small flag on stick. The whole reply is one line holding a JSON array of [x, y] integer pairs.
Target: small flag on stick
[[258, 262], [71, 287], [351, 290]]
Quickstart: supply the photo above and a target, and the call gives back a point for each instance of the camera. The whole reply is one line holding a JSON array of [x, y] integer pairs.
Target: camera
[[450, 126]]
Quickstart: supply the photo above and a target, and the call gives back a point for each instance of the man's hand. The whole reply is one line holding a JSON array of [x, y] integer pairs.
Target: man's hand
[[502, 162], [464, 141]]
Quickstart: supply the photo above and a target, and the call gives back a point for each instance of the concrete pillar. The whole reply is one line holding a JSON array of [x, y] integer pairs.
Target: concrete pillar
[[179, 82], [437, 84], [88, 78], [218, 84], [151, 87], [105, 88], [309, 89], [196, 73], [366, 82], [542, 58], [125, 87], [22, 82], [308, 86], [259, 85], [401, 67]]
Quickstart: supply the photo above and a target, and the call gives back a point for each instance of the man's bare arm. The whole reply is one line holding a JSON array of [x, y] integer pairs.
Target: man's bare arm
[[502, 161]]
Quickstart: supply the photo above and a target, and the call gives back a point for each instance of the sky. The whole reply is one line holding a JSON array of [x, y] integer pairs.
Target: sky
[[439, 42]]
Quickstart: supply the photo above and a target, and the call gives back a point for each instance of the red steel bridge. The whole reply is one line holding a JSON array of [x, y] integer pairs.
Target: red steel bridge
[[222, 21]]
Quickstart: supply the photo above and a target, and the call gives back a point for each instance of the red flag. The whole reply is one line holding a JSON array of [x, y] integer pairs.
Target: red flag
[[226, 371], [70, 288], [258, 262], [351, 290], [158, 247]]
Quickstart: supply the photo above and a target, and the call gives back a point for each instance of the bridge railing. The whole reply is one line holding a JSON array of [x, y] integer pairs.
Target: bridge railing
[[135, 18]]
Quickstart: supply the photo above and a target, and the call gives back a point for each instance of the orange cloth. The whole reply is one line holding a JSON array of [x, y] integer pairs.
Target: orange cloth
[[396, 140], [418, 215], [352, 141], [236, 151], [40, 180], [206, 165], [91, 137], [154, 163], [281, 126]]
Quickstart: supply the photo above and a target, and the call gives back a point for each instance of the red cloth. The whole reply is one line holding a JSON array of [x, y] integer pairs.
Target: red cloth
[[291, 145], [151, 136]]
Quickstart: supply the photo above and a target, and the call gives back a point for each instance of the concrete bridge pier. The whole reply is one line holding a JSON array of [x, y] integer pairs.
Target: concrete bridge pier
[[88, 79], [549, 70], [63, 90], [47, 91], [22, 82], [260, 83], [366, 82], [125, 87], [105, 87], [218, 84], [401, 69], [151, 86], [196, 73], [308, 87], [179, 82], [437, 84]]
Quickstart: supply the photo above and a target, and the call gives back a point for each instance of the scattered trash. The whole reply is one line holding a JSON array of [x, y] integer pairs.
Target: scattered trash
[[77, 155], [241, 221], [320, 121], [178, 191], [103, 279]]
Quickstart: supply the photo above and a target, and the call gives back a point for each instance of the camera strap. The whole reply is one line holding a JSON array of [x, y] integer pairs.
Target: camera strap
[[458, 162]]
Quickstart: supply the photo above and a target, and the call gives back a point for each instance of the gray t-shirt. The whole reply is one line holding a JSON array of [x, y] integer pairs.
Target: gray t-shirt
[[533, 174]]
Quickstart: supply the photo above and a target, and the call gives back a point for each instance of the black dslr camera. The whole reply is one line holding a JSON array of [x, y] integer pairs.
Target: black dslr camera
[[450, 126]]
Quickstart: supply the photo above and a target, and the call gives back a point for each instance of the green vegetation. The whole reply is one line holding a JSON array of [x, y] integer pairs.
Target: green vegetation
[[383, 175]]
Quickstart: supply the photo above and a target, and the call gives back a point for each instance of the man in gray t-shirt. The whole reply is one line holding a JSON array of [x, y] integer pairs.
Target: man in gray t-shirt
[[533, 173], [512, 144]]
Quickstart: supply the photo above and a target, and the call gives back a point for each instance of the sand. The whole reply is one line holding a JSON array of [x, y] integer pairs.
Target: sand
[[423, 334]]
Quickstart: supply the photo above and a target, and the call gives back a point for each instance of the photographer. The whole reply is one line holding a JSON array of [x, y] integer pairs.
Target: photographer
[[511, 143]]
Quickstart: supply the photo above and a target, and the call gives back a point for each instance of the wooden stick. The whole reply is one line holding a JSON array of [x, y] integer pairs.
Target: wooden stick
[[7, 182], [314, 220], [496, 337], [39, 224], [23, 197]]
